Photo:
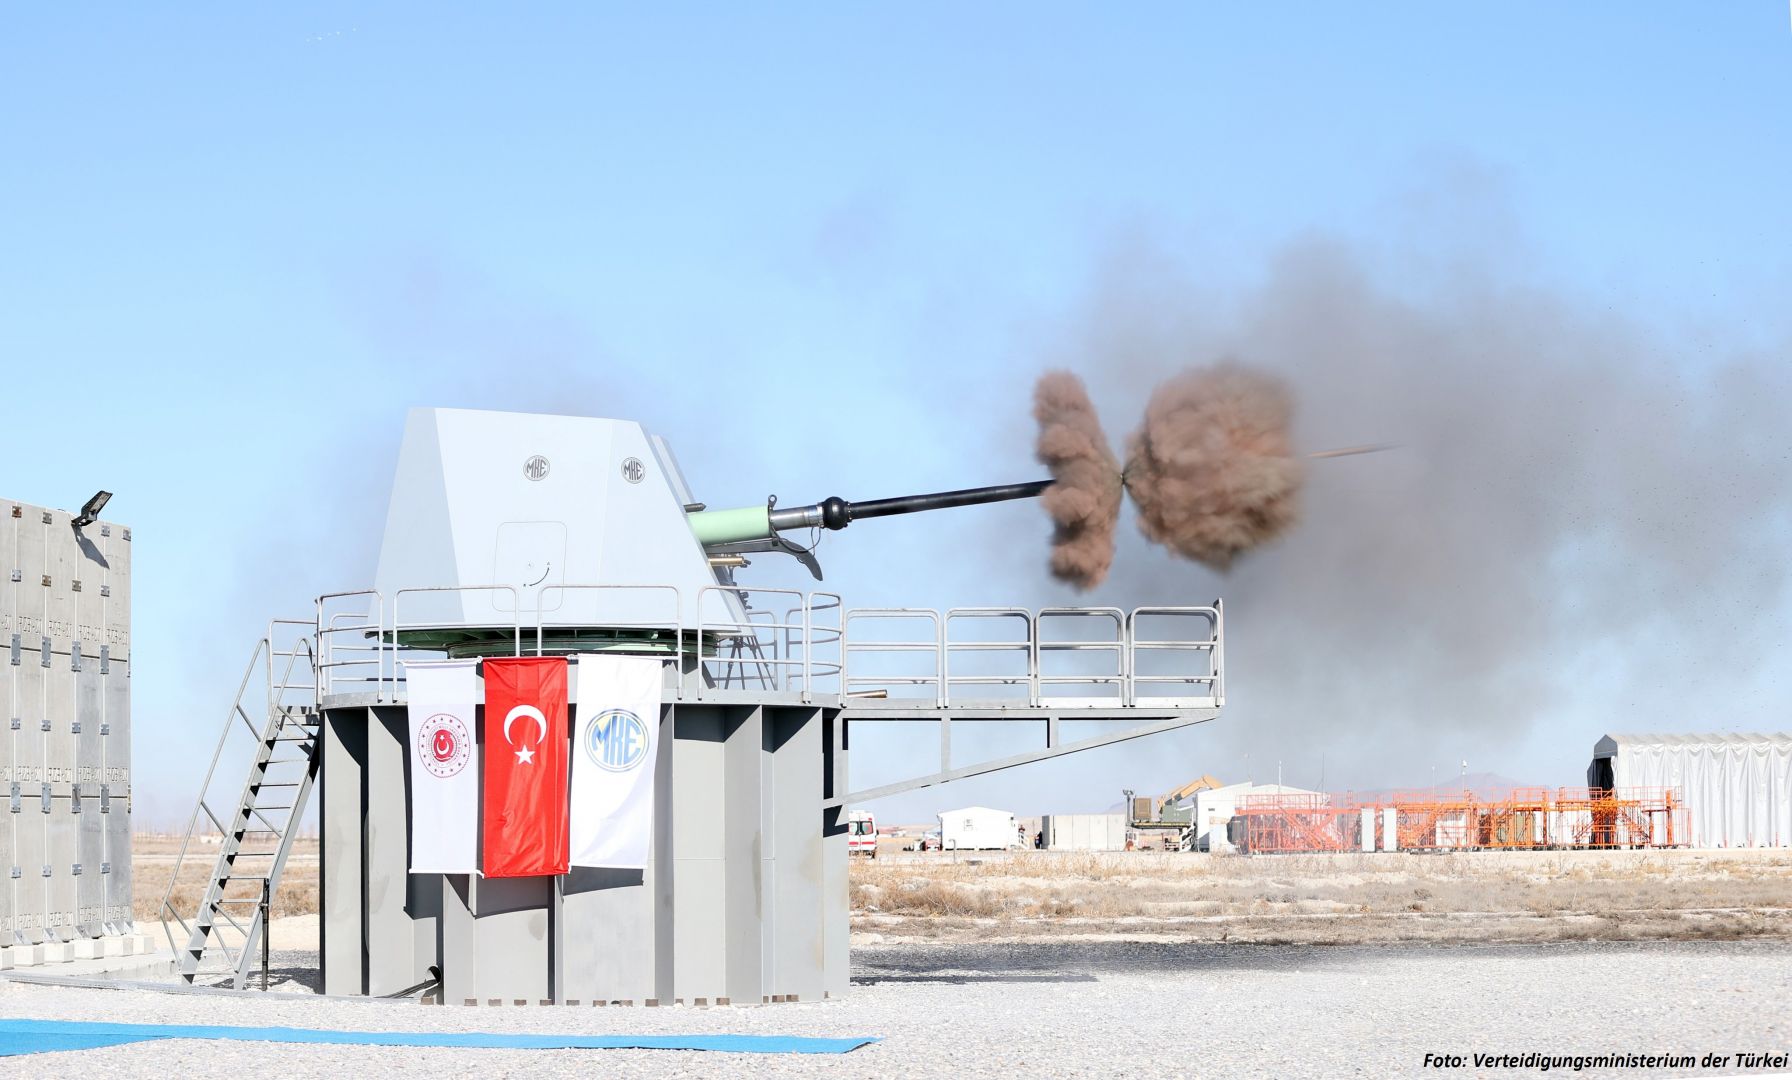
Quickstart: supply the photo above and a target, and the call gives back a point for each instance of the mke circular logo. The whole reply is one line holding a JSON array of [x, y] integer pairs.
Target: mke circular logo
[[633, 471], [536, 468], [443, 745], [617, 740]]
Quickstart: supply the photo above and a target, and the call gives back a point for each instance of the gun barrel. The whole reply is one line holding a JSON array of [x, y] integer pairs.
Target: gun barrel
[[753, 523], [910, 504]]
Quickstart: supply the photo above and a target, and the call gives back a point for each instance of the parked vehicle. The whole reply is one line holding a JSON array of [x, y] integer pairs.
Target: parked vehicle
[[861, 833]]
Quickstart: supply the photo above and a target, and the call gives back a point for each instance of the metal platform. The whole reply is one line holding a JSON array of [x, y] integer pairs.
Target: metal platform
[[994, 659], [1154, 668]]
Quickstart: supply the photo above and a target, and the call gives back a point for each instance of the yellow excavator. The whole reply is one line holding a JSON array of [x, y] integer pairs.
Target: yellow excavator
[[1200, 783]]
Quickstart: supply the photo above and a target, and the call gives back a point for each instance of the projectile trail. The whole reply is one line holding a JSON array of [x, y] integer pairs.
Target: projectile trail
[[1347, 451]]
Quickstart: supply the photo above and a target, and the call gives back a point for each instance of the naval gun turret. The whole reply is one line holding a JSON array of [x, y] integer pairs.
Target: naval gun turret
[[580, 528]]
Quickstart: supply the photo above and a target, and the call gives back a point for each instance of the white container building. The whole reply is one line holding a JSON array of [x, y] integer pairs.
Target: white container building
[[1084, 832], [978, 828]]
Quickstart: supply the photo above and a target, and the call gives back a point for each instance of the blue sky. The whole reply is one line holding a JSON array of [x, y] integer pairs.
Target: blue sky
[[816, 248]]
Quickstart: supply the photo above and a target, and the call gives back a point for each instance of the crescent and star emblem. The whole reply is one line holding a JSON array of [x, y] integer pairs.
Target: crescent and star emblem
[[444, 746], [526, 755]]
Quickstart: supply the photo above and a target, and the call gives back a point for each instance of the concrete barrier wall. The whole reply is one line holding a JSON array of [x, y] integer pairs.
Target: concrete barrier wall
[[65, 748]]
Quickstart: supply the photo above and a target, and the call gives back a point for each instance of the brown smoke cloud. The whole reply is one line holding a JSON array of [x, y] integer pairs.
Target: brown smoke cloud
[[1211, 469], [1084, 504]]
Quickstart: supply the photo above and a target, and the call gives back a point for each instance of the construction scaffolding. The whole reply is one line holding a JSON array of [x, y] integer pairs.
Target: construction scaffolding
[[1298, 822], [1509, 820]]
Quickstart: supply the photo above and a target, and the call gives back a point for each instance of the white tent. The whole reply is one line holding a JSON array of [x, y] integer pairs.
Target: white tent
[[1738, 788]]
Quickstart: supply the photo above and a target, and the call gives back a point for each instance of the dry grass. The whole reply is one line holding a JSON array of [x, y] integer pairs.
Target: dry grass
[[152, 863], [1478, 896], [1329, 898]]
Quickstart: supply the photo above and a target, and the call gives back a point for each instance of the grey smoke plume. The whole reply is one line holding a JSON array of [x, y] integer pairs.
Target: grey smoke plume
[[1586, 525], [1084, 504], [1211, 469]]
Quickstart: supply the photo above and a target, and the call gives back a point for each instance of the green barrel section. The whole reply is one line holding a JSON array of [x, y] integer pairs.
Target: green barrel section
[[731, 526]]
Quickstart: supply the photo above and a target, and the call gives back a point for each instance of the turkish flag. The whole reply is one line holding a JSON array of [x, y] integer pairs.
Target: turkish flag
[[525, 766]]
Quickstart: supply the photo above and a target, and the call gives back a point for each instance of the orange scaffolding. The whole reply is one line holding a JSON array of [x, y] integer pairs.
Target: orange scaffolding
[[1298, 823], [1624, 818], [1427, 820], [1517, 820], [1511, 820]]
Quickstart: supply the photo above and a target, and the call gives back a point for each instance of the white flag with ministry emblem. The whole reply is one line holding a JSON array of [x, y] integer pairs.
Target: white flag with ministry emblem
[[442, 695], [615, 746]]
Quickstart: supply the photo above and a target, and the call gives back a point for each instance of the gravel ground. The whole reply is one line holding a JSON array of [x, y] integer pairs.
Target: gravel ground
[[1044, 1010]]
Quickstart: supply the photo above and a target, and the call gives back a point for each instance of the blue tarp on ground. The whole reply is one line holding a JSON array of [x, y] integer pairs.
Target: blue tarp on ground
[[42, 1036]]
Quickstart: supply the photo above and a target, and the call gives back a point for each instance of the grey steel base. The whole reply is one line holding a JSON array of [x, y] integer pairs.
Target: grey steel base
[[745, 899]]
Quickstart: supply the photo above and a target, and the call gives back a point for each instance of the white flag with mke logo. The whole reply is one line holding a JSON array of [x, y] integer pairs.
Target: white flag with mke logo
[[442, 695], [615, 745]]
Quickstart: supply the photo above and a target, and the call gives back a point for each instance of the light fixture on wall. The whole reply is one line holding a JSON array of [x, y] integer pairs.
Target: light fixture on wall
[[90, 510]]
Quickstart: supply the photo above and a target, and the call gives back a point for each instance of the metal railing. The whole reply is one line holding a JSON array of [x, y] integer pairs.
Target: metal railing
[[759, 649], [880, 684], [1204, 673], [740, 638], [346, 649], [822, 667], [1108, 680], [970, 651], [516, 624], [674, 622], [1074, 657]]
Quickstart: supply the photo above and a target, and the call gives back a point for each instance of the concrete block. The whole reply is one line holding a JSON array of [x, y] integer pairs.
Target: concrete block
[[114, 945], [88, 949], [27, 955], [58, 952], [5, 959]]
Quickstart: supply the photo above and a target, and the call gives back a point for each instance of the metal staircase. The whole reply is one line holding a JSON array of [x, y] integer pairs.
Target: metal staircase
[[274, 724]]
